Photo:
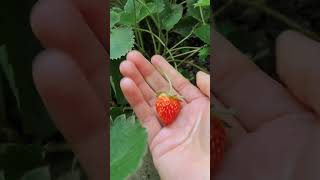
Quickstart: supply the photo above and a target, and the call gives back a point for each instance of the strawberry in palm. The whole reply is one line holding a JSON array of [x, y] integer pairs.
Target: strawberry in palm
[[168, 105]]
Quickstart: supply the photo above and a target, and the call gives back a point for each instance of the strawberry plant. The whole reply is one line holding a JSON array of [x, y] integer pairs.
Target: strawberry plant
[[179, 30]]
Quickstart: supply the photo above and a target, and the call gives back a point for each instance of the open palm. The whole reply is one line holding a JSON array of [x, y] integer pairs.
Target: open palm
[[275, 132], [184, 146]]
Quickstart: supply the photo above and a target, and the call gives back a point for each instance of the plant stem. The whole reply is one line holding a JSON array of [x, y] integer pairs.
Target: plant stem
[[141, 40], [185, 53], [185, 38], [183, 2], [153, 41], [158, 38], [141, 49], [185, 47], [166, 42], [190, 55], [201, 14], [194, 65], [170, 84], [152, 17], [136, 37]]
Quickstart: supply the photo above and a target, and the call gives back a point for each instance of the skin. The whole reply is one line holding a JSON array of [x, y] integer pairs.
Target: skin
[[69, 73], [182, 149], [274, 133], [276, 128]]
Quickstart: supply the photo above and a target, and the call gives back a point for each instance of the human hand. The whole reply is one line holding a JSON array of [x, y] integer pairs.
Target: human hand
[[182, 149], [70, 75], [275, 132]]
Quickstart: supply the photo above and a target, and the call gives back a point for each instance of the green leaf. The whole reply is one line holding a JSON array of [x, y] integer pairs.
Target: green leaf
[[128, 146], [41, 173], [195, 11], [114, 18], [116, 77], [171, 16], [203, 33], [204, 53], [132, 6], [202, 3], [185, 25], [121, 42], [135, 11], [159, 6]]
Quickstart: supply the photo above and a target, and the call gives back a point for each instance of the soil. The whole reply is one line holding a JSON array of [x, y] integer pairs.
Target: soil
[[147, 170]]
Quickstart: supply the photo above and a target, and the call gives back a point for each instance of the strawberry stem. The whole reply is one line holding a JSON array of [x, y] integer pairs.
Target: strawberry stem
[[170, 84]]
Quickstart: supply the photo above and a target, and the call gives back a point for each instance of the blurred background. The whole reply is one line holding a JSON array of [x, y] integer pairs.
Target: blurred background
[[30, 145], [253, 25]]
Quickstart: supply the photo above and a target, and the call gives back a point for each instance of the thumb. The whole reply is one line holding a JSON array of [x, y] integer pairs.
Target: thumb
[[203, 83]]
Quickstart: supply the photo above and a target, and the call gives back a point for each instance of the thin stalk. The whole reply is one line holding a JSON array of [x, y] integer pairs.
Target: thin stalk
[[201, 14], [159, 39], [153, 41], [159, 31], [185, 53], [137, 38], [183, 2], [141, 40], [192, 64], [166, 42], [141, 49], [190, 55], [185, 38], [152, 17], [170, 84], [185, 47]]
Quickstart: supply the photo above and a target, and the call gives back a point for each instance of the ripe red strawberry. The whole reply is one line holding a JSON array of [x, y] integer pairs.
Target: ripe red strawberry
[[168, 105], [168, 108], [217, 141]]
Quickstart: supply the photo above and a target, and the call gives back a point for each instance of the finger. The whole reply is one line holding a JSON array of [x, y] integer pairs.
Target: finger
[[203, 83], [242, 86], [74, 107], [96, 16], [148, 71], [58, 24], [299, 65], [143, 111], [128, 69], [180, 83], [236, 130], [277, 151]]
